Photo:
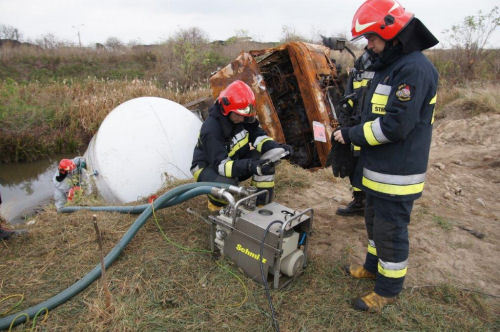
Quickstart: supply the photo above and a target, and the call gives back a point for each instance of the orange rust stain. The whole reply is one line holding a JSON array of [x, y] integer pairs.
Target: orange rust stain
[[311, 64]]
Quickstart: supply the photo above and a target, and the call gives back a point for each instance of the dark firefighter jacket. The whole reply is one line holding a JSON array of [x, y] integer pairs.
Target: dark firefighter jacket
[[225, 146], [357, 87], [396, 128]]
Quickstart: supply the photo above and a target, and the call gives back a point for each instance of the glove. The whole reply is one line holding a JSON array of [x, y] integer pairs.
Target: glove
[[72, 192], [342, 159], [259, 167], [288, 148], [345, 135]]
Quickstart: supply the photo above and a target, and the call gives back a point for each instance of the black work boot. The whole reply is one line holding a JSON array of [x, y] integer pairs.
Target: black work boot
[[356, 207]]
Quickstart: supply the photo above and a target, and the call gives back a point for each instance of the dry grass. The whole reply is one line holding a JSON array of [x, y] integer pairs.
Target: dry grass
[[468, 100], [157, 286], [53, 100], [39, 119], [456, 66]]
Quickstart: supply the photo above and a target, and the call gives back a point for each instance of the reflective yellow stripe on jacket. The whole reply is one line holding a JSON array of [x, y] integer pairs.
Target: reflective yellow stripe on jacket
[[259, 142], [360, 84], [363, 79], [393, 184], [373, 133], [226, 168], [380, 98], [433, 102], [238, 141]]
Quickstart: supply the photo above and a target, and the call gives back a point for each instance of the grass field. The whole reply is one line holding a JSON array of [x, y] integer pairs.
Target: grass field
[[160, 284], [53, 102]]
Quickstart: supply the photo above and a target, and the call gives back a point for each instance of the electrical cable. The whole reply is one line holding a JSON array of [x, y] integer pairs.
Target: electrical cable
[[13, 323], [264, 278], [206, 252], [241, 283], [33, 325], [36, 317], [185, 191], [15, 305], [168, 240]]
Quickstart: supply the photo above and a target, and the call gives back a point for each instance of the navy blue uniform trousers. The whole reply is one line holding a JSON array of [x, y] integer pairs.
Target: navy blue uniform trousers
[[387, 225]]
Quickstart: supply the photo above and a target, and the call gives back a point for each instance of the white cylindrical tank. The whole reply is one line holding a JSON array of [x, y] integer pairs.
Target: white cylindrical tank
[[140, 145]]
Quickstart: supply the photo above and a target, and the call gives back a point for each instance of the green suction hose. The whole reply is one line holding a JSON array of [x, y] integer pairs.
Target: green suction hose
[[133, 209], [172, 197], [136, 209]]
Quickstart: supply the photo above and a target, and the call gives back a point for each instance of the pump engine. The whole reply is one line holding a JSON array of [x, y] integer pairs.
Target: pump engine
[[272, 235]]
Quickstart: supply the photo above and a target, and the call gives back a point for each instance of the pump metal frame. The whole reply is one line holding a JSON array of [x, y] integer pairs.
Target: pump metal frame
[[293, 221]]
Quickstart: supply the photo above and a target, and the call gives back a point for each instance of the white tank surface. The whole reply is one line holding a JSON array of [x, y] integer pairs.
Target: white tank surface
[[140, 145]]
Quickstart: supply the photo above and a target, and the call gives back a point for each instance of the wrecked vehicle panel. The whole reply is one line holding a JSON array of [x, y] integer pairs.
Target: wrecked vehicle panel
[[295, 86], [245, 68]]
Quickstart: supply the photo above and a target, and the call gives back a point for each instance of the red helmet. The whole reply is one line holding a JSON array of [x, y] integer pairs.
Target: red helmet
[[66, 165], [237, 97], [386, 18]]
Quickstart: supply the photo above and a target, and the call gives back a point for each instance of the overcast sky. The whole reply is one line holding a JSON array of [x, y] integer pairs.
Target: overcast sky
[[153, 21]]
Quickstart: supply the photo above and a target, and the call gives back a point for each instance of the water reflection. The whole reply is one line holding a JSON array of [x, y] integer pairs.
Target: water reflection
[[25, 187]]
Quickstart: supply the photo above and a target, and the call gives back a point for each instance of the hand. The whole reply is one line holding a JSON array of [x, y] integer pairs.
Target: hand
[[259, 167], [342, 160], [337, 136], [287, 148]]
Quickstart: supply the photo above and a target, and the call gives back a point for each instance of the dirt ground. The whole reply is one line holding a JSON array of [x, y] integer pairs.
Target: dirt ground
[[155, 284], [461, 191]]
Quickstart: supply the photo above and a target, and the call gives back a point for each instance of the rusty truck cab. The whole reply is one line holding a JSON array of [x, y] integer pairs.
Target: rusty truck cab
[[296, 87]]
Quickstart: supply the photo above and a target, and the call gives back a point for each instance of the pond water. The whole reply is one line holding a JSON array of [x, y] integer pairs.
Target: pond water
[[26, 187]]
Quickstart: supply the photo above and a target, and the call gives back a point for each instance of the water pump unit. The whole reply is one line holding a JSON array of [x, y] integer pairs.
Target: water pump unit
[[272, 235]]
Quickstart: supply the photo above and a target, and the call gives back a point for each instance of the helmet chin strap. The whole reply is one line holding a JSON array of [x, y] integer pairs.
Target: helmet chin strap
[[250, 119]]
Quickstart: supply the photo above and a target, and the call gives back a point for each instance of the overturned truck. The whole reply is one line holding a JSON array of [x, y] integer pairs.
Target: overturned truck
[[296, 87]]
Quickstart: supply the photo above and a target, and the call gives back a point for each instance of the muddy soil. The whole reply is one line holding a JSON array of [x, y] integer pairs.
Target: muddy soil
[[461, 191]]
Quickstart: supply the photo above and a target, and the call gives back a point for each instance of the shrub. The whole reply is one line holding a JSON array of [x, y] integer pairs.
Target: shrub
[[469, 41]]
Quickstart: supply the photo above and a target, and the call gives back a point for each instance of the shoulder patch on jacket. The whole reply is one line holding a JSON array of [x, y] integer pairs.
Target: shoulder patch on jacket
[[404, 92]]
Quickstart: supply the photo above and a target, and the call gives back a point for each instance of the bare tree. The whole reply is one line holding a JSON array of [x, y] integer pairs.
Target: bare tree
[[49, 41], [9, 32], [114, 43], [472, 35], [192, 36], [289, 34]]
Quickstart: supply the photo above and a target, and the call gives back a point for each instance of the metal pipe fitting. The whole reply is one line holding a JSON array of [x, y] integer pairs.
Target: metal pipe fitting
[[238, 190], [223, 194]]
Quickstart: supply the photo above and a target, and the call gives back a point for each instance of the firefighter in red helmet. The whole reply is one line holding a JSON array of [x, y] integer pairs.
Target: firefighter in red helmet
[[232, 146], [394, 135], [68, 180]]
